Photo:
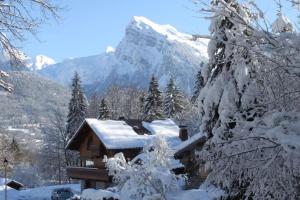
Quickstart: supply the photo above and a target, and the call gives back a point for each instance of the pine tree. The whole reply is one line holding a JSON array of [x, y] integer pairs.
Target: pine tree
[[153, 102], [15, 150], [14, 146], [173, 103], [77, 107], [103, 110], [199, 83]]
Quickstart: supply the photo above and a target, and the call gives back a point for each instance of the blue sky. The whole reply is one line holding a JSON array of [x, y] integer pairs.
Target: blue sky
[[88, 27]]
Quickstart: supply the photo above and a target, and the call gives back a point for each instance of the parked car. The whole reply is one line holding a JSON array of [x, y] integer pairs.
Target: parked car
[[62, 194]]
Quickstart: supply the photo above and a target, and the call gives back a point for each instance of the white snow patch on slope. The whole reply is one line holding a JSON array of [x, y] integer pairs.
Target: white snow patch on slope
[[109, 49], [42, 61], [39, 62], [10, 128], [170, 33]]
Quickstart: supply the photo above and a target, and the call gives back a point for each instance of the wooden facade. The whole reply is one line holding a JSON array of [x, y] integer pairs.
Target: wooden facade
[[92, 171], [193, 166]]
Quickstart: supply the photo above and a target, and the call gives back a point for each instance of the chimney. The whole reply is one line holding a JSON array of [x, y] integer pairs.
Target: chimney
[[183, 133], [122, 118]]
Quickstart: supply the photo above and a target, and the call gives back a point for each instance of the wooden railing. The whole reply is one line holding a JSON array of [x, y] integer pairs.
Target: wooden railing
[[98, 174]]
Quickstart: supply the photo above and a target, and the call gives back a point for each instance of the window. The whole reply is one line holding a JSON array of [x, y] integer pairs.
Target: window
[[89, 163]]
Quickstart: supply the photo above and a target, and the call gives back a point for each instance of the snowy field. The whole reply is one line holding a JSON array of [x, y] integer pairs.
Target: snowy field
[[41, 193], [44, 193], [205, 192]]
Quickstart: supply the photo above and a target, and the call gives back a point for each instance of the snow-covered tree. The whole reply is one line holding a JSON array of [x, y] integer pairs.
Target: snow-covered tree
[[199, 83], [54, 157], [146, 177], [103, 110], [153, 101], [16, 22], [76, 115], [123, 102], [249, 103], [173, 101], [77, 107]]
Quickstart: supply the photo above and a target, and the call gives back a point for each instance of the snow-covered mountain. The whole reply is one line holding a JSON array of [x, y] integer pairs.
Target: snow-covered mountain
[[147, 48], [39, 62]]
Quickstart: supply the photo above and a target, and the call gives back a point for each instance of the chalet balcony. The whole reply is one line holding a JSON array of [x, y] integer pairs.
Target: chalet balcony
[[87, 173]]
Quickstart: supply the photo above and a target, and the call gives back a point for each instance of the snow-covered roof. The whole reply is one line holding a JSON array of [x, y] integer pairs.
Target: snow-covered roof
[[117, 134], [199, 137], [2, 182], [166, 127]]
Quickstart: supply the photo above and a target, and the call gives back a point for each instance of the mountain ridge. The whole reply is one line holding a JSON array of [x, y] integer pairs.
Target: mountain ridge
[[146, 49]]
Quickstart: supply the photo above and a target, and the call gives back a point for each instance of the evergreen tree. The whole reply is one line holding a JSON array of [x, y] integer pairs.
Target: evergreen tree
[[173, 103], [14, 146], [77, 107], [153, 102], [14, 149], [199, 83], [103, 110]]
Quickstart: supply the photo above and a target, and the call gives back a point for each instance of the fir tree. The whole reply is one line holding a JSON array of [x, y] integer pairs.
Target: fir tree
[[199, 83], [103, 110], [14, 146], [77, 107], [173, 103], [153, 102]]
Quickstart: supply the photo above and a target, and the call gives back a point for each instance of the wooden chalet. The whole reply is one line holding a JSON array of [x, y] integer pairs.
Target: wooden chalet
[[15, 185], [96, 138]]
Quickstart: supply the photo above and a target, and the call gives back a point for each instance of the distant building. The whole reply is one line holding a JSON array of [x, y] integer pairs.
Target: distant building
[[96, 138], [193, 166], [12, 184]]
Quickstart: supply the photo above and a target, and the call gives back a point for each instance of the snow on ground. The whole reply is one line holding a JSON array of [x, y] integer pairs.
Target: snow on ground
[[195, 194], [10, 128], [205, 192], [41, 193], [98, 194]]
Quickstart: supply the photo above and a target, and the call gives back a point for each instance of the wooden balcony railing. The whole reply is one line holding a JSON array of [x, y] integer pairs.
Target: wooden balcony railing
[[97, 174]]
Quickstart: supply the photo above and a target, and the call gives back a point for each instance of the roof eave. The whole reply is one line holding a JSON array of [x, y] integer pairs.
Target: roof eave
[[68, 146]]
